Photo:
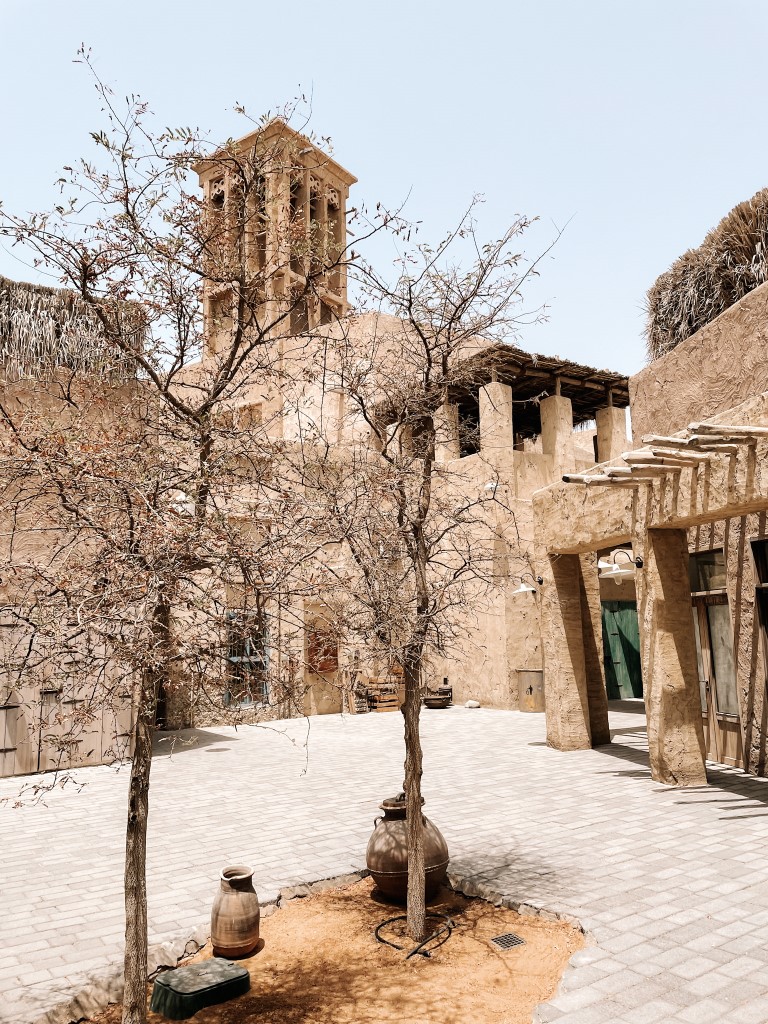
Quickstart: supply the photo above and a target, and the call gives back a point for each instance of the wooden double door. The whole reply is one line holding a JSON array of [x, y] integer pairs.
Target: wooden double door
[[621, 650], [717, 679]]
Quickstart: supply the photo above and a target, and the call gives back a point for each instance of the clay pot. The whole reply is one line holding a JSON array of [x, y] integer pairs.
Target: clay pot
[[437, 700], [387, 853], [235, 915]]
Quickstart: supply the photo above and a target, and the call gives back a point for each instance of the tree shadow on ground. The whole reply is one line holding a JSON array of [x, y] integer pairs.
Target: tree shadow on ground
[[514, 874], [180, 741]]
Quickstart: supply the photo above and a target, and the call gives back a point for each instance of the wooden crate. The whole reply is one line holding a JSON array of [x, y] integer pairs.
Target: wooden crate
[[360, 704], [383, 694], [385, 702]]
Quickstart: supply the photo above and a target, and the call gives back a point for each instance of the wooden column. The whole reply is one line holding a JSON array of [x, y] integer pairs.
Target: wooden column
[[668, 652]]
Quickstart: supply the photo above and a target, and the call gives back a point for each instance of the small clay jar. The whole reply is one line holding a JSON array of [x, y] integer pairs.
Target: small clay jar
[[236, 914], [387, 853]]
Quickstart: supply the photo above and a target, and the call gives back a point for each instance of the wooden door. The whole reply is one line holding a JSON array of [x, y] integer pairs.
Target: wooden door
[[717, 679], [621, 650]]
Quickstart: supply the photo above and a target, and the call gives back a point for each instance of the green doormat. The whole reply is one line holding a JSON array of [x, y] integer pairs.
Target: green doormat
[[180, 993]]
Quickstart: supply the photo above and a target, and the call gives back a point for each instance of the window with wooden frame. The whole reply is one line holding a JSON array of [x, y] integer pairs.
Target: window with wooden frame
[[249, 415], [9, 714], [322, 649], [247, 658], [707, 571]]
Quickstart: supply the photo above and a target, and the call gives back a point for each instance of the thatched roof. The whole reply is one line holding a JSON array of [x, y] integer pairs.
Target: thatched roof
[[533, 376], [43, 328], [704, 282]]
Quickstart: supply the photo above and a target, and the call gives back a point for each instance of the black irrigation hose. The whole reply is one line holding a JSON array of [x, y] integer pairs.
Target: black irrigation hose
[[447, 928]]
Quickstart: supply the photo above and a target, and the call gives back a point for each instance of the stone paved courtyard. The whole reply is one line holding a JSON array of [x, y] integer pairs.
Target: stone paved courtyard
[[672, 884]]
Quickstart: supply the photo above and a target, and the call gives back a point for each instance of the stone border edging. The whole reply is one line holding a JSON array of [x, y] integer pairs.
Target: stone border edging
[[544, 1013], [106, 988]]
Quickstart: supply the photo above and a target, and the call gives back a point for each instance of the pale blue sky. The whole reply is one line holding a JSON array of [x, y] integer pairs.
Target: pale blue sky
[[641, 124]]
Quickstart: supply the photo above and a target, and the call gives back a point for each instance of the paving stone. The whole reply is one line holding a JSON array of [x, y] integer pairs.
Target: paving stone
[[753, 1012], [657, 1010], [703, 1011], [674, 891]]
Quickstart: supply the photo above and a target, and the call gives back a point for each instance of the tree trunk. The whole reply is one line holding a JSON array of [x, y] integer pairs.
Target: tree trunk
[[135, 993], [135, 877], [416, 904]]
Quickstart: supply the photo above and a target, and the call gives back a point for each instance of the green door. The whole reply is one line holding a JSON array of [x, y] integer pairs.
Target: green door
[[621, 650]]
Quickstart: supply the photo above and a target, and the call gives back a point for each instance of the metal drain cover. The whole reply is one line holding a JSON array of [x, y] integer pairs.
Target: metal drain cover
[[507, 941]]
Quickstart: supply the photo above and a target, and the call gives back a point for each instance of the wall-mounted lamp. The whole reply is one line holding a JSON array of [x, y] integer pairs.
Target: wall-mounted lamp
[[494, 487], [614, 571], [526, 588]]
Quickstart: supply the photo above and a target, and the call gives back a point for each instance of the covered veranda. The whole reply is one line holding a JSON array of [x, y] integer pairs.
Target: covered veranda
[[649, 498]]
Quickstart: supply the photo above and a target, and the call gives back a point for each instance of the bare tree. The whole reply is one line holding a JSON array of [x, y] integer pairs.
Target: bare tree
[[415, 536], [139, 485]]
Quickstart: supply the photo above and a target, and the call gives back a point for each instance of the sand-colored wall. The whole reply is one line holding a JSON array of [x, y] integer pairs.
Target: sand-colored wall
[[715, 369], [50, 718], [572, 518], [726, 507]]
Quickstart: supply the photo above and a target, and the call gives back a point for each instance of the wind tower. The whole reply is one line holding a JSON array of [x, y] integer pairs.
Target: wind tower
[[276, 235]]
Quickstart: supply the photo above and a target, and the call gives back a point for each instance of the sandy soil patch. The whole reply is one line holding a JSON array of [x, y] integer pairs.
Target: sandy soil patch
[[321, 963]]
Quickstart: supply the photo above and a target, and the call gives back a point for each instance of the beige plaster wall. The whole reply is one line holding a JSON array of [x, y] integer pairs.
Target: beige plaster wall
[[323, 697], [576, 518], [715, 369], [500, 634]]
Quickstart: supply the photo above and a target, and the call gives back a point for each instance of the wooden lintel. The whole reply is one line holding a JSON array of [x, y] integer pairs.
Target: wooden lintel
[[675, 455], [597, 479], [721, 449], [617, 389], [727, 430], [719, 440], [665, 442], [651, 469]]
